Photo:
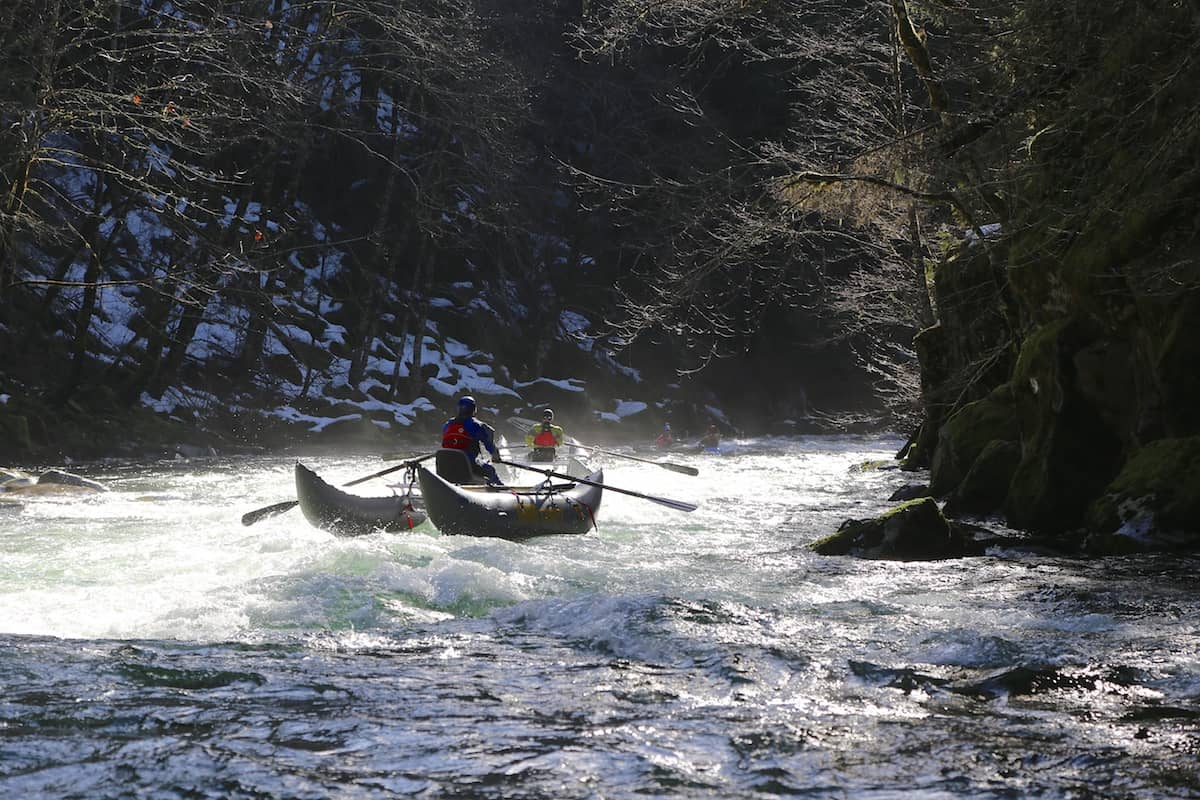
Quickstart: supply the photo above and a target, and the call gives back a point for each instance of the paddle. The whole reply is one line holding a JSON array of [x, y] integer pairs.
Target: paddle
[[517, 422], [664, 464], [662, 501], [259, 514]]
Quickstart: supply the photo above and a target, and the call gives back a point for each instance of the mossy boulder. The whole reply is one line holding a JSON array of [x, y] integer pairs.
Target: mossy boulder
[[969, 352], [13, 478], [933, 352], [985, 486], [967, 433], [912, 531], [909, 491], [1104, 378], [1068, 454], [1153, 504]]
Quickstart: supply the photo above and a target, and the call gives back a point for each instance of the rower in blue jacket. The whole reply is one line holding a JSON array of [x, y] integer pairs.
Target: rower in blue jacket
[[465, 432]]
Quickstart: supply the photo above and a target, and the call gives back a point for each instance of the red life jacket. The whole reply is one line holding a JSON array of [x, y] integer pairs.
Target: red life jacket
[[545, 439], [455, 437]]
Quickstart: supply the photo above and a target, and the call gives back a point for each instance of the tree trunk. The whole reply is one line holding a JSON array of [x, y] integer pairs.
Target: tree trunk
[[153, 329], [917, 261], [83, 324]]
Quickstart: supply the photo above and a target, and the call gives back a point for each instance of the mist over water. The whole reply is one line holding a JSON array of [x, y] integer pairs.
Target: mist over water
[[154, 646]]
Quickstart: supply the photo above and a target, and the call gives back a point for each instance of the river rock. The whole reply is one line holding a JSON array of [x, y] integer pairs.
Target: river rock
[[912, 531], [1153, 504], [50, 482], [57, 476], [15, 479]]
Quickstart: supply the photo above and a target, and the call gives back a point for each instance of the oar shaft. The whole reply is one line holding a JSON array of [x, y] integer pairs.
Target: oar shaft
[[664, 464], [678, 505]]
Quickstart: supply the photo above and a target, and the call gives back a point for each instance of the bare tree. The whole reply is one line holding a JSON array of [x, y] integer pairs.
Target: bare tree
[[839, 208], [118, 112]]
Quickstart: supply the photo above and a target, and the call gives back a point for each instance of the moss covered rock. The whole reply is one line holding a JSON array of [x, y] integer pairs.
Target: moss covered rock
[[912, 531], [933, 351], [985, 486], [1068, 454], [1153, 504], [1106, 381], [967, 433]]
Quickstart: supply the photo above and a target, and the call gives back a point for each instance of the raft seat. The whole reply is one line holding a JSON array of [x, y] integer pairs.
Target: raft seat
[[455, 466]]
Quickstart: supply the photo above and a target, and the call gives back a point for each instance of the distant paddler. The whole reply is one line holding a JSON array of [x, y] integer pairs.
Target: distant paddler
[[544, 437]]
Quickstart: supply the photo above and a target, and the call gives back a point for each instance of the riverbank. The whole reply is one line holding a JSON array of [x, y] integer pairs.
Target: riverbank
[[95, 426]]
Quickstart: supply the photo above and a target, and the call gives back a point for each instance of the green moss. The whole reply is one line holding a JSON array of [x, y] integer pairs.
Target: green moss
[[1068, 453], [985, 487], [1163, 477], [913, 530], [862, 533], [1039, 351], [872, 466], [967, 433]]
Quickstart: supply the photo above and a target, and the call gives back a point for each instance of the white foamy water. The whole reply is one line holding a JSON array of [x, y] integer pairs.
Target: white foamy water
[[154, 645]]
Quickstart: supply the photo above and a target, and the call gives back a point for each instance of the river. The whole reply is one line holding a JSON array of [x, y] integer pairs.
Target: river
[[152, 646]]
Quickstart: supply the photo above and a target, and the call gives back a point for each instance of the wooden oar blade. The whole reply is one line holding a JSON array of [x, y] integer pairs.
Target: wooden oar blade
[[680, 468], [678, 505], [259, 514]]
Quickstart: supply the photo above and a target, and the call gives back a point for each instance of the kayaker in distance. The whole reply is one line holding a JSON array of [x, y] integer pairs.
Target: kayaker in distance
[[544, 437], [465, 432], [711, 438], [666, 438]]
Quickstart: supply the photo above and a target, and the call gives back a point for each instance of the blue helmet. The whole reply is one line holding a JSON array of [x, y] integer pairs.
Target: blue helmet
[[466, 403]]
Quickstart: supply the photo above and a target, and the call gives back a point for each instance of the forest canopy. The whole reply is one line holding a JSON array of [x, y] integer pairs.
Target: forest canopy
[[771, 180]]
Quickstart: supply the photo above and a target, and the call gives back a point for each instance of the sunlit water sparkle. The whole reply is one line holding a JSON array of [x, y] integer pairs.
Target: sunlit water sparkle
[[155, 647]]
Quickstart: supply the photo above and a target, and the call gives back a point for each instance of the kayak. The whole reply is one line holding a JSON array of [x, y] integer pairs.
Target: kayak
[[329, 508], [512, 512]]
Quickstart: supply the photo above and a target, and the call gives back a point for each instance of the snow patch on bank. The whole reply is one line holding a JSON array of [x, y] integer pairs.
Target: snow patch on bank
[[624, 408]]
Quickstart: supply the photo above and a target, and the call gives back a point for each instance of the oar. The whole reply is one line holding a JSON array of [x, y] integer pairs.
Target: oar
[[662, 501], [664, 464], [519, 422], [259, 514]]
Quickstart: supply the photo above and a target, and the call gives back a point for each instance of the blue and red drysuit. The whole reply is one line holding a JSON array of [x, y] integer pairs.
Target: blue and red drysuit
[[467, 433]]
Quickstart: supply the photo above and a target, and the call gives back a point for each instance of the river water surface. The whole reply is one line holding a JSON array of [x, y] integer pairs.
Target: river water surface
[[153, 647]]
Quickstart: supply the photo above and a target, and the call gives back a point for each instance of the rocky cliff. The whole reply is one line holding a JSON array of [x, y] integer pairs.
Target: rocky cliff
[[1063, 379]]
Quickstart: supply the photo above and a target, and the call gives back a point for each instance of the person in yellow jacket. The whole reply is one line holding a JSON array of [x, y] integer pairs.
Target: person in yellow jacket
[[544, 437]]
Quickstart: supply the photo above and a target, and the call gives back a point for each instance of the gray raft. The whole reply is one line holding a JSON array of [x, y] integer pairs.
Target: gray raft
[[511, 512], [329, 508]]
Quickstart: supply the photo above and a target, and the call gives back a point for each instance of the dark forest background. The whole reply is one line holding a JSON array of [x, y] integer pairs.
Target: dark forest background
[[757, 205]]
